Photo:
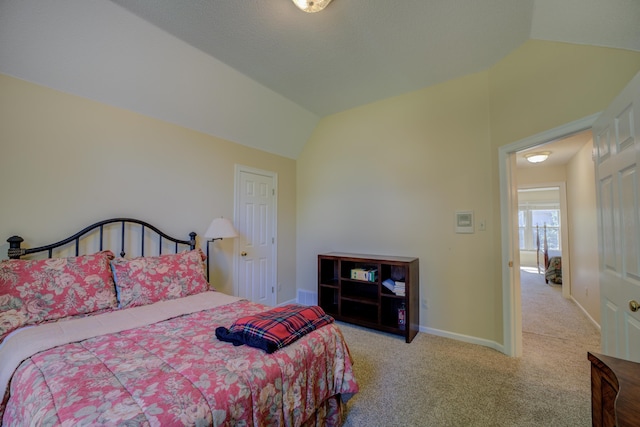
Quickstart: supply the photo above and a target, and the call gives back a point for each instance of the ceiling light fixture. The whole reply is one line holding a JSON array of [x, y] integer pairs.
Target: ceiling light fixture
[[537, 157], [311, 5]]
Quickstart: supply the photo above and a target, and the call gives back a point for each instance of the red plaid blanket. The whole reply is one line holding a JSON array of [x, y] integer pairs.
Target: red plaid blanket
[[273, 329]]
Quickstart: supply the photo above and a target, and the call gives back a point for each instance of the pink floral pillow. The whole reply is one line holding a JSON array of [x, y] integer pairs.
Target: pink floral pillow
[[35, 291], [145, 280]]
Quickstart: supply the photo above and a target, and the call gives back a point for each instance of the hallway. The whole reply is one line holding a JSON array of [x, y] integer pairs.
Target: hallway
[[545, 312]]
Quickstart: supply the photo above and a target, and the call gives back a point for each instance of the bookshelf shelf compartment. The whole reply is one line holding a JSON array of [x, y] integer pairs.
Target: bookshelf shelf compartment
[[360, 300], [370, 303]]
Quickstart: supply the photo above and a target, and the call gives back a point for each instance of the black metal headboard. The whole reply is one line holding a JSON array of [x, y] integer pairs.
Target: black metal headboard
[[16, 251]]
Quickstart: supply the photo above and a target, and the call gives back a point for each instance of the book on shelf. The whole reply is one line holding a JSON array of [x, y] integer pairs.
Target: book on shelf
[[398, 288], [389, 284], [368, 274]]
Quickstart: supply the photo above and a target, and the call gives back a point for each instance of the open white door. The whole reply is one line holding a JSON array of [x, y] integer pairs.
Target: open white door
[[617, 150]]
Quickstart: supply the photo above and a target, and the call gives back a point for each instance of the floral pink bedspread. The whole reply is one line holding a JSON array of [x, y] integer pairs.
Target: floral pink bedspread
[[176, 372]]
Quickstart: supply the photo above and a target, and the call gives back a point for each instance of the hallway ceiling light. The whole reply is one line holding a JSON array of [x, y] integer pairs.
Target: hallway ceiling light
[[538, 157], [311, 5]]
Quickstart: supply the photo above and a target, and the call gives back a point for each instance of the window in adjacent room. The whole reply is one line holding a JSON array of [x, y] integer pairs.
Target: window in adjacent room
[[530, 215]]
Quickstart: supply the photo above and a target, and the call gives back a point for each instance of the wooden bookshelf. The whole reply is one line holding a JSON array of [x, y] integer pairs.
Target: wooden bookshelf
[[370, 303]]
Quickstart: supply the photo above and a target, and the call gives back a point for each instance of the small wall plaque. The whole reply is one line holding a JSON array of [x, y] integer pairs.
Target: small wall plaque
[[464, 222]]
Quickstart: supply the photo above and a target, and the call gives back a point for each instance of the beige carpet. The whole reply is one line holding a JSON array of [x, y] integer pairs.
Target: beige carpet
[[436, 381]]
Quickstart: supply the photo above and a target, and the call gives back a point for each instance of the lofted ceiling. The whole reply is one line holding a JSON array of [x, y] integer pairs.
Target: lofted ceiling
[[359, 51]]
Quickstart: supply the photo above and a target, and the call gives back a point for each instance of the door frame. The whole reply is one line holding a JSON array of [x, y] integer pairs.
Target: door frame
[[510, 262], [239, 169]]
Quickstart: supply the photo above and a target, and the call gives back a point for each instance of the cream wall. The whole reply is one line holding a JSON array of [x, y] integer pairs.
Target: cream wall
[[528, 177], [66, 162], [386, 178], [583, 232], [542, 85]]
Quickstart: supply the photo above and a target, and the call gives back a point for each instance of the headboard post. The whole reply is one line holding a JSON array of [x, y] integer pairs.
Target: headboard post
[[192, 240], [15, 251]]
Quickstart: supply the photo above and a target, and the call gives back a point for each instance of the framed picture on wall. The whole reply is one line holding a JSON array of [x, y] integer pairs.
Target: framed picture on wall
[[464, 222]]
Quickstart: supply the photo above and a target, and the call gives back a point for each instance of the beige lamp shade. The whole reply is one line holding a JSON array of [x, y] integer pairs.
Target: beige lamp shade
[[220, 228]]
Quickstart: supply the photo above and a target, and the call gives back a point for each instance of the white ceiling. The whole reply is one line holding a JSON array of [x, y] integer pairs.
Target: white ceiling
[[561, 151], [359, 51]]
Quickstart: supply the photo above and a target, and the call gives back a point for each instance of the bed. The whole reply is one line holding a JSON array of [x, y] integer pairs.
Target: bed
[[103, 339], [552, 260]]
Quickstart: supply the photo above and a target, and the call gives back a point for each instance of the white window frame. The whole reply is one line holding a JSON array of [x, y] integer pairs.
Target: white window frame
[[528, 231]]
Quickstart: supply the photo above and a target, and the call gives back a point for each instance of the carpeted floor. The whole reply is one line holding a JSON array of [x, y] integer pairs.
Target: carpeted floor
[[436, 381]]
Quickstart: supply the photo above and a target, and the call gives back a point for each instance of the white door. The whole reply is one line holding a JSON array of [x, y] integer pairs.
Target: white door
[[256, 221], [617, 152]]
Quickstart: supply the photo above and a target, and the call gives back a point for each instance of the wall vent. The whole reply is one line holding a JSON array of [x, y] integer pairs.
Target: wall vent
[[307, 297]]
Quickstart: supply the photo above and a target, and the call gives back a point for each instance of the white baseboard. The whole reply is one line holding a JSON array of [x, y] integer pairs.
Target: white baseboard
[[311, 298], [291, 301], [465, 338], [586, 313]]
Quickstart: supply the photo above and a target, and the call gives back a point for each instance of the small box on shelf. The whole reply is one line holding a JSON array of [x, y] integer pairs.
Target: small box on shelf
[[367, 274]]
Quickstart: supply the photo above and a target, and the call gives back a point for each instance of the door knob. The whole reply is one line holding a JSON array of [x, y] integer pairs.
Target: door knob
[[243, 253], [634, 305]]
